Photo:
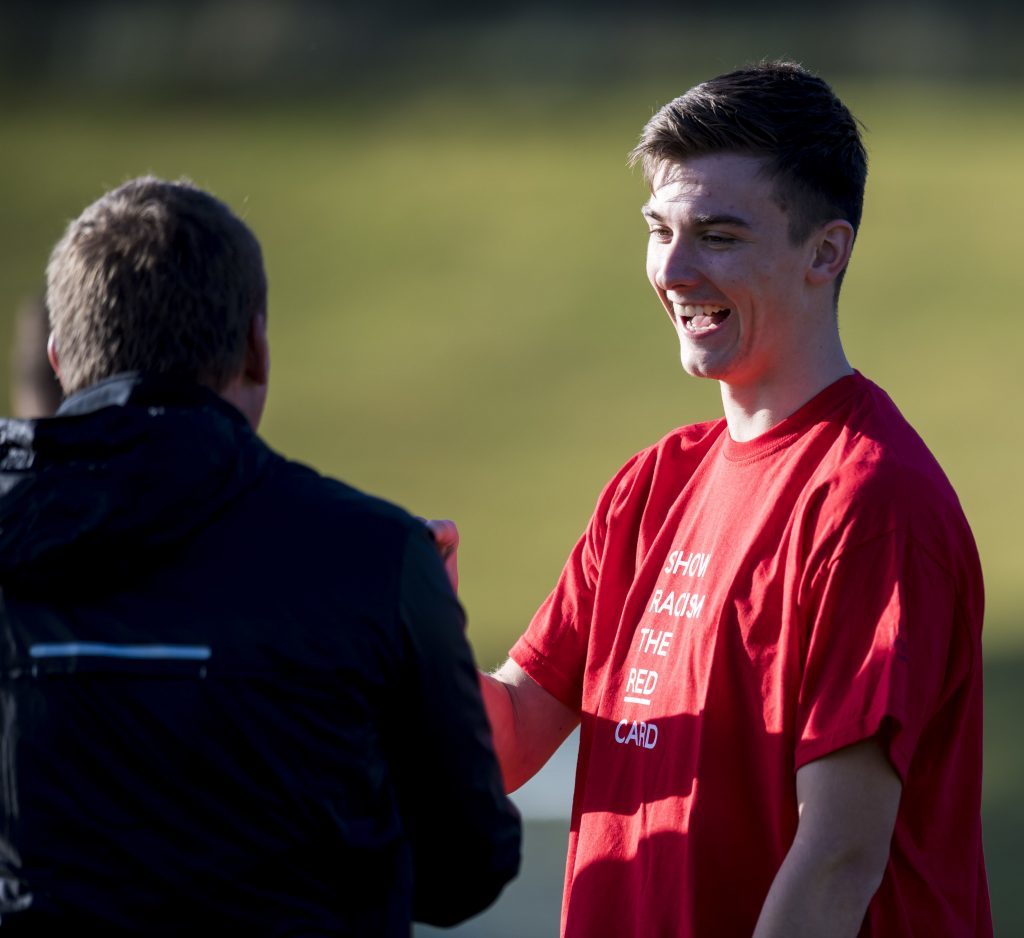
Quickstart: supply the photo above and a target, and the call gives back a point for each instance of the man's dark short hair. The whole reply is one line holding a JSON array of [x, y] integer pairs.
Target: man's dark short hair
[[778, 111], [157, 277]]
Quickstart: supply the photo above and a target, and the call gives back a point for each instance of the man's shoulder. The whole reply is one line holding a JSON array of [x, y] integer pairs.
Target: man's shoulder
[[692, 435], [681, 449], [879, 475], [658, 471], [881, 449], [322, 499], [684, 443]]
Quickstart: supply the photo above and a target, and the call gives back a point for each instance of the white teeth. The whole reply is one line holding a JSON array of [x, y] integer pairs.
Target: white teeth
[[700, 317], [688, 311]]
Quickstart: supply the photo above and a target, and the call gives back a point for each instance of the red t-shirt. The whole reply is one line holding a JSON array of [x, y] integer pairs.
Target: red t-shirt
[[736, 610]]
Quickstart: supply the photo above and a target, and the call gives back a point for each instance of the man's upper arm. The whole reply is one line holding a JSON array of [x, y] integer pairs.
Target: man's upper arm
[[849, 797], [847, 802]]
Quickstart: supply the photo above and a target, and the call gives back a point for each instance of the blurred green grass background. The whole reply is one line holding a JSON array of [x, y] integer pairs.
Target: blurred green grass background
[[460, 319], [459, 315]]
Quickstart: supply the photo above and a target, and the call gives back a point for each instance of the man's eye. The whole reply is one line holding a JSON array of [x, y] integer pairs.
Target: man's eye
[[710, 238], [662, 234]]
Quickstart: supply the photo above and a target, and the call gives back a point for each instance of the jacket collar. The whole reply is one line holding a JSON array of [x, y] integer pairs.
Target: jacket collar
[[132, 387]]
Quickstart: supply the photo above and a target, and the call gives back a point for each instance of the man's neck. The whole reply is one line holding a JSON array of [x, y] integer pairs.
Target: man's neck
[[753, 409]]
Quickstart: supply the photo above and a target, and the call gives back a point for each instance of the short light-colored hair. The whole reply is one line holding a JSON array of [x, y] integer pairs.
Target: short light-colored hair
[[779, 112], [156, 277]]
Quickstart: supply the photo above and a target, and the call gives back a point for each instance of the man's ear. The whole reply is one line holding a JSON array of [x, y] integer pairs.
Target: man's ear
[[51, 354], [247, 390], [257, 351], [833, 245]]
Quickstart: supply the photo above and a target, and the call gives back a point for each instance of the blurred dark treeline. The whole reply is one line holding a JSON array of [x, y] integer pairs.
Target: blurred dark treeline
[[284, 46]]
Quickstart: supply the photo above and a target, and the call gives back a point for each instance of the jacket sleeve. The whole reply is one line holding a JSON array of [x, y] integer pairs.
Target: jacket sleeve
[[464, 832]]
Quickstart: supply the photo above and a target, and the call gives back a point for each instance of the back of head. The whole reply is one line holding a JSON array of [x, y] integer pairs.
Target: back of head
[[156, 277], [786, 116]]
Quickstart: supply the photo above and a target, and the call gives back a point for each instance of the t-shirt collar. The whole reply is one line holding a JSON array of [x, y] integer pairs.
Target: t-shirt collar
[[818, 408]]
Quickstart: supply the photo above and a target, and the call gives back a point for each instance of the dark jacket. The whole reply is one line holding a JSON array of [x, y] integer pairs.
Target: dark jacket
[[236, 695]]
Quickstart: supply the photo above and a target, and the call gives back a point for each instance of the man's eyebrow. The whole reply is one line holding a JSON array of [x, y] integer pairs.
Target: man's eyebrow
[[710, 221], [702, 221]]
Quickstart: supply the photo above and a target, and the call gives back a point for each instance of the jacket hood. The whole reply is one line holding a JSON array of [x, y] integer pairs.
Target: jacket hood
[[128, 468]]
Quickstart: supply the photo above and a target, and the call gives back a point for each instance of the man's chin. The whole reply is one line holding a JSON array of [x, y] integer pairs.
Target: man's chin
[[700, 367]]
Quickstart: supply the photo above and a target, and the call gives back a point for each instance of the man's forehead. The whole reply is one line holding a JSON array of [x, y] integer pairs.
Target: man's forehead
[[708, 166], [713, 178]]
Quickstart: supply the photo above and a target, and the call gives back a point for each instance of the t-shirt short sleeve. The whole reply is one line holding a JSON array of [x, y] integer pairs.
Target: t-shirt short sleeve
[[553, 650], [879, 649]]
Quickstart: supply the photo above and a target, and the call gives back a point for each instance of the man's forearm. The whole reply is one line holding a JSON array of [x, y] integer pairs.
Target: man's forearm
[[847, 802], [527, 723], [819, 894], [501, 714]]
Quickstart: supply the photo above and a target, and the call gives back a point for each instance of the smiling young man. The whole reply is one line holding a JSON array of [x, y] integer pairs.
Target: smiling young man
[[769, 632]]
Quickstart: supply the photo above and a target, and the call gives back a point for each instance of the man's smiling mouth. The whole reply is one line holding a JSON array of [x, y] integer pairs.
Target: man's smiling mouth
[[697, 319]]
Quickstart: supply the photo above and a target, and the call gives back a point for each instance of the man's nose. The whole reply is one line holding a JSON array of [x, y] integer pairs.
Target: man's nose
[[676, 266]]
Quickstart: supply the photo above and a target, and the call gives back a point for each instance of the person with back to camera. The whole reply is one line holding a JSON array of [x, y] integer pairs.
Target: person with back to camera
[[770, 631], [236, 695]]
